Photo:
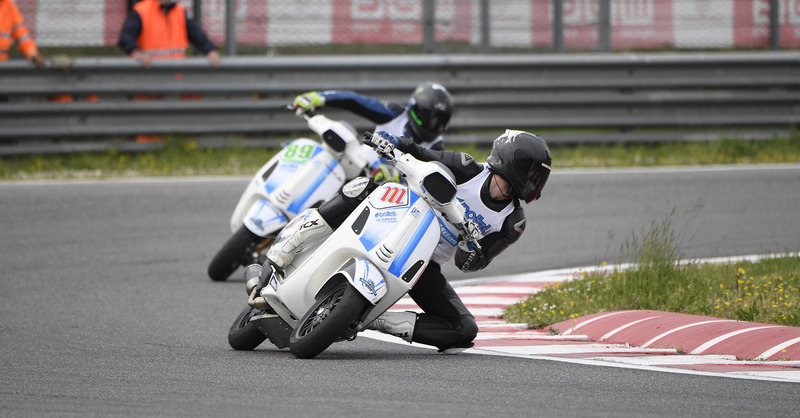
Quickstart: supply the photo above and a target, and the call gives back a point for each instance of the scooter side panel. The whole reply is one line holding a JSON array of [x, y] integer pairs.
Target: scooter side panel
[[364, 277], [404, 226], [262, 219], [310, 176], [301, 174]]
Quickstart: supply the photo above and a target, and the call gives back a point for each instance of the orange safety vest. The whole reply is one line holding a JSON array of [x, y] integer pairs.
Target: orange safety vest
[[163, 36], [11, 28]]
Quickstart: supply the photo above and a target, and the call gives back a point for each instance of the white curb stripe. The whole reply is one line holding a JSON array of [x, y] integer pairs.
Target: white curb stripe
[[607, 336], [709, 344], [683, 327], [774, 350], [576, 327]]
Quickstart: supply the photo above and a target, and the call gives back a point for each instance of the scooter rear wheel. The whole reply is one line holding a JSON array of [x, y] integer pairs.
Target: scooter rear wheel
[[327, 321], [244, 335]]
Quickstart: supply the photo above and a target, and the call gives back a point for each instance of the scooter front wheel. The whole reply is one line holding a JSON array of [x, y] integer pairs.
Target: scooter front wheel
[[326, 321], [243, 334], [230, 256]]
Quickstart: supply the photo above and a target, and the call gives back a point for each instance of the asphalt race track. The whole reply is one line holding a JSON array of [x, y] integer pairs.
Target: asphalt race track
[[107, 310]]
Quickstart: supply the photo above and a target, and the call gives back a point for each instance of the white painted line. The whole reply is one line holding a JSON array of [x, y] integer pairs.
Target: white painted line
[[784, 375], [491, 312], [576, 327], [711, 343], [522, 335], [681, 328], [501, 324], [676, 360], [489, 300], [561, 349], [703, 359], [610, 334], [774, 350], [511, 290]]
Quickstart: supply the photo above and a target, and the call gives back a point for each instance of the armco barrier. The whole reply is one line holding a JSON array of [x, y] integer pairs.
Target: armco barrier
[[616, 97]]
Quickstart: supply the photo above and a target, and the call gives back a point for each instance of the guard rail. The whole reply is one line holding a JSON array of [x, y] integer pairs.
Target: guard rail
[[627, 97]]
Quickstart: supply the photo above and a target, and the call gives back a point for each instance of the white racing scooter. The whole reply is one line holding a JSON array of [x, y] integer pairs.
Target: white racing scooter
[[334, 289], [303, 174]]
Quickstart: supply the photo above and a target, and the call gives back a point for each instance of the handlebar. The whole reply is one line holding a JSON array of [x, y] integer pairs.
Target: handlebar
[[368, 141], [300, 112], [468, 233]]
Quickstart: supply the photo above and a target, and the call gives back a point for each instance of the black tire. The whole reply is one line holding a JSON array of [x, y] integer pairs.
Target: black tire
[[230, 256], [327, 321], [243, 335]]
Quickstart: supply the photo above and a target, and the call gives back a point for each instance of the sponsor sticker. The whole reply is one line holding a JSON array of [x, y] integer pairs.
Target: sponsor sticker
[[386, 216]]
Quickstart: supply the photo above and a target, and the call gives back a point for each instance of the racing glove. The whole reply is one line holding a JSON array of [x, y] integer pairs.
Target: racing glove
[[308, 101], [469, 257], [384, 142]]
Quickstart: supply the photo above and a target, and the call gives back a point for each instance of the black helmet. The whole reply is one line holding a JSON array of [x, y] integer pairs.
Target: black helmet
[[429, 111], [523, 160]]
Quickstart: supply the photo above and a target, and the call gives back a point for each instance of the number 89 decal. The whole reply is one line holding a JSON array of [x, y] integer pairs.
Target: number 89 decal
[[299, 153]]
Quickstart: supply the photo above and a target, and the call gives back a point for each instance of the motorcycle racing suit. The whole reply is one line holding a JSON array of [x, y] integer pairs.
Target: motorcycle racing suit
[[389, 117]]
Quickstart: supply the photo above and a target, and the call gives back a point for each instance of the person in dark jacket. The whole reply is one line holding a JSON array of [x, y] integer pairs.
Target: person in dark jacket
[[161, 29], [516, 170], [424, 118]]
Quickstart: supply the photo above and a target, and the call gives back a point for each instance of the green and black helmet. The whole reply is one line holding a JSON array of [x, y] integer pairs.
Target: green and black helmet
[[429, 110]]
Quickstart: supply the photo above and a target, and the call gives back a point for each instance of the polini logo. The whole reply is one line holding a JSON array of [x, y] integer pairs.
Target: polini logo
[[478, 219]]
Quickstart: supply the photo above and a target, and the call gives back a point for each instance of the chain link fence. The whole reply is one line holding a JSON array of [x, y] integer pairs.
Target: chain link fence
[[445, 25]]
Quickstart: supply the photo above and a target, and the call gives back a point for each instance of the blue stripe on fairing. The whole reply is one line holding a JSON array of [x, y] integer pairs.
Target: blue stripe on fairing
[[371, 236], [397, 265], [259, 221], [299, 203]]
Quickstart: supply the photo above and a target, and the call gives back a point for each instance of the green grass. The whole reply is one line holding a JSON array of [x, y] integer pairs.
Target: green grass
[[183, 157], [767, 291], [178, 157]]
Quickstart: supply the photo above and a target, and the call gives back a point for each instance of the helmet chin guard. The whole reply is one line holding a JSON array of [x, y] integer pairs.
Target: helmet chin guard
[[523, 160]]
